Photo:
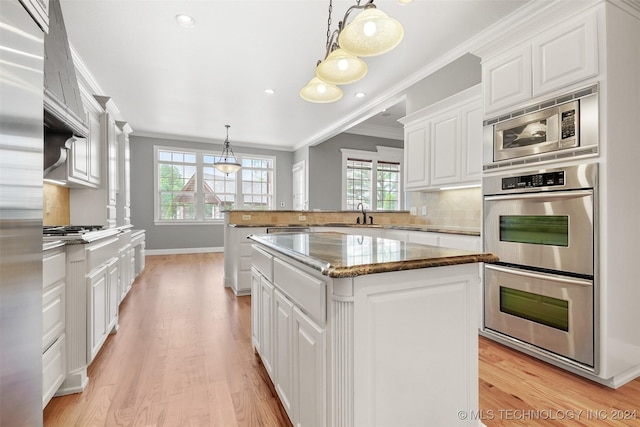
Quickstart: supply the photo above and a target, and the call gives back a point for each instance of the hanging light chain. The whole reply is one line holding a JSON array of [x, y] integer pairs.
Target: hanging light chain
[[329, 23]]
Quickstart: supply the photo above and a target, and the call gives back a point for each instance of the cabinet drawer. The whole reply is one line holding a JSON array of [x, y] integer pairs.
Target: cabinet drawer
[[263, 262], [52, 314], [53, 268], [306, 291], [53, 370], [102, 251]]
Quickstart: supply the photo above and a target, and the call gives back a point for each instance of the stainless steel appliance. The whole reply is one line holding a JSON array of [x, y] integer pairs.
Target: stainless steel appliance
[[77, 233], [21, 118], [541, 293], [543, 131]]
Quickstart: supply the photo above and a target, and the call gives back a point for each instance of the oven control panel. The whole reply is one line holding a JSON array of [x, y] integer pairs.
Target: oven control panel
[[546, 179]]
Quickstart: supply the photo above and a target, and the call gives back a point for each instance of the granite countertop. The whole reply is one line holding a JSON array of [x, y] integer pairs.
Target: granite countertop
[[345, 255], [410, 227]]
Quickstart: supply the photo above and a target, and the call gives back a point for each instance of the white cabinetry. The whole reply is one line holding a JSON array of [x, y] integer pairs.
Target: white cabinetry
[[237, 259], [138, 244], [53, 321], [443, 143], [309, 376], [416, 155], [346, 351], [557, 58], [127, 266], [99, 205], [124, 171], [103, 304], [288, 315], [266, 309], [282, 346], [83, 167], [91, 301]]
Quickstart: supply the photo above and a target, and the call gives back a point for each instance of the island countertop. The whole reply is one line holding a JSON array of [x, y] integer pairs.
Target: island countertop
[[349, 255]]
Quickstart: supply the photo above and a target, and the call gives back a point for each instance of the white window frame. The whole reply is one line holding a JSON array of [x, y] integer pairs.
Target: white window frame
[[382, 153], [200, 208]]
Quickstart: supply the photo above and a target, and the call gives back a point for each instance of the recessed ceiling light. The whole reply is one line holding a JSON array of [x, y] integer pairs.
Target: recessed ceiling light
[[185, 21], [360, 95], [269, 91]]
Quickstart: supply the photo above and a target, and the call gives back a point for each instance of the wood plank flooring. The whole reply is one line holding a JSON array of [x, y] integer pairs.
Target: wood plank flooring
[[182, 357]]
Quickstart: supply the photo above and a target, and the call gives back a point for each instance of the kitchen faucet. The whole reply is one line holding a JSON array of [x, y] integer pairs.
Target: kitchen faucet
[[364, 214]]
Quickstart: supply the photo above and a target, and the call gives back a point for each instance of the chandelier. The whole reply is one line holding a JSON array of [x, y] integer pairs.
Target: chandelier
[[370, 33], [224, 165]]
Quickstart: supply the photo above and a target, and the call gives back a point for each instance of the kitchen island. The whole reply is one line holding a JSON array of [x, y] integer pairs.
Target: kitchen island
[[365, 331]]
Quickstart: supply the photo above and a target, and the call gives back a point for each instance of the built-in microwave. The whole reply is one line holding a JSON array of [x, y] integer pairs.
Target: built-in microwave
[[539, 132]]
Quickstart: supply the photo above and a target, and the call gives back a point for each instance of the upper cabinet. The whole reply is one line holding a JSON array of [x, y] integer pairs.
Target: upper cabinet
[[99, 205], [443, 143], [557, 58]]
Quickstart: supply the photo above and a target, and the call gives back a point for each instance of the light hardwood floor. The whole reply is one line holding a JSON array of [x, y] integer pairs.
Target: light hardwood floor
[[183, 357]]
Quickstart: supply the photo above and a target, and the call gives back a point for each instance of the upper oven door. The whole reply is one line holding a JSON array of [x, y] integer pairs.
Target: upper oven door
[[549, 230], [546, 130]]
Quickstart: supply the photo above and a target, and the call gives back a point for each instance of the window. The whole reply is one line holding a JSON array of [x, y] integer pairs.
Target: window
[[373, 179], [189, 188]]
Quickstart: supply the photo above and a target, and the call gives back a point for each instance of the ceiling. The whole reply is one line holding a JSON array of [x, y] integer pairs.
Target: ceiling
[[187, 83]]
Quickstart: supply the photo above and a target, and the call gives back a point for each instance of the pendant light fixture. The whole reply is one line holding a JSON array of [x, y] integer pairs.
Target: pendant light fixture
[[224, 165], [371, 33], [320, 92]]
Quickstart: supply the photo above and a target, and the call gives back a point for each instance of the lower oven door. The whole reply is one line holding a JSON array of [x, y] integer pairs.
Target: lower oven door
[[550, 311]]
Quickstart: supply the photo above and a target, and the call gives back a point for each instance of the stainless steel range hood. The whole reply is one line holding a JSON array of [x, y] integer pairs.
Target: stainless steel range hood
[[63, 111]]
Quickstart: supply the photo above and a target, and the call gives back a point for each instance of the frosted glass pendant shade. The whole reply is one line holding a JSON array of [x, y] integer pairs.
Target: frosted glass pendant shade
[[227, 167], [371, 33], [341, 68], [321, 92]]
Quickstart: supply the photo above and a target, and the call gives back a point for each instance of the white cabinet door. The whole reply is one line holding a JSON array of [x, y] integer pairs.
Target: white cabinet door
[[471, 152], [95, 147], [445, 148], [111, 137], [416, 152], [255, 309], [507, 79], [113, 296], [309, 372], [266, 324], [97, 315], [565, 55], [283, 323], [79, 160]]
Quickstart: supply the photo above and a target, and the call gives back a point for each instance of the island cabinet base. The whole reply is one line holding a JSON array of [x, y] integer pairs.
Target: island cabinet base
[[404, 348], [395, 348]]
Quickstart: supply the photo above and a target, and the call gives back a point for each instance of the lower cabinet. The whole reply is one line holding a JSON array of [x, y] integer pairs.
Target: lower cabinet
[[309, 375], [282, 346], [53, 321], [358, 351], [103, 305], [292, 348]]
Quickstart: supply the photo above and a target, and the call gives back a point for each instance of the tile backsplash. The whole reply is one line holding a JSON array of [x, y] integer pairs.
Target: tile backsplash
[[55, 205], [449, 208]]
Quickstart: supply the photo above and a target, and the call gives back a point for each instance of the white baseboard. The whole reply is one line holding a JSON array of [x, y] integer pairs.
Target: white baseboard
[[183, 251]]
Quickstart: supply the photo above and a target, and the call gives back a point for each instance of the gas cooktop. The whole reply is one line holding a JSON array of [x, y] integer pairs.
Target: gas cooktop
[[80, 233]]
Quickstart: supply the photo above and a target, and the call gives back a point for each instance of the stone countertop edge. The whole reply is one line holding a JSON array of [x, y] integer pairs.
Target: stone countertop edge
[[424, 228], [359, 270]]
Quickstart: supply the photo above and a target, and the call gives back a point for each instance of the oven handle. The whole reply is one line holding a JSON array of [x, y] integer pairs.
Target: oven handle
[[542, 276], [569, 194]]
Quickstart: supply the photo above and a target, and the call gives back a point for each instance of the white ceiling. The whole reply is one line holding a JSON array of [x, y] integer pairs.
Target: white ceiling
[[174, 82]]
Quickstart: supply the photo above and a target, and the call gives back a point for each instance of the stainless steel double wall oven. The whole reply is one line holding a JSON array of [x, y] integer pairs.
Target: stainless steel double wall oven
[[541, 224]]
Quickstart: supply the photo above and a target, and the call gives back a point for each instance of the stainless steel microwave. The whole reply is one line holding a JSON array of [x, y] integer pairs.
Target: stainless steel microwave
[[567, 122]]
